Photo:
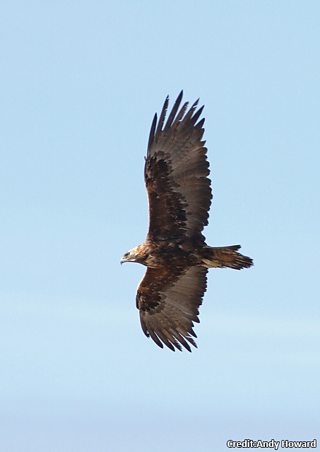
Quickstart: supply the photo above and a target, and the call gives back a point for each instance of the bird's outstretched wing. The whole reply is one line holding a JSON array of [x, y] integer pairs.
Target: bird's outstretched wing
[[168, 300], [176, 171]]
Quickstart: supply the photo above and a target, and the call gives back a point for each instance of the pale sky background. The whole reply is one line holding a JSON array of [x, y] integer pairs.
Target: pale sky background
[[80, 82]]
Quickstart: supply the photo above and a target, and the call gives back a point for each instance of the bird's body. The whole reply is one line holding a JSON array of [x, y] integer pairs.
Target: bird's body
[[175, 252]]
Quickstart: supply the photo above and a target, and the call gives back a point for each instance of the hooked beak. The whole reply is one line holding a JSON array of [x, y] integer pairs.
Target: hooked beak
[[124, 259]]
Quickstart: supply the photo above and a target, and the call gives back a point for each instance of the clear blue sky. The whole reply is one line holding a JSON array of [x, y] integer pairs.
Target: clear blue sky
[[80, 82]]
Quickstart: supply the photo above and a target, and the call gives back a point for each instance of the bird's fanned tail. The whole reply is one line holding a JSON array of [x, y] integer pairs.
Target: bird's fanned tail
[[225, 256]]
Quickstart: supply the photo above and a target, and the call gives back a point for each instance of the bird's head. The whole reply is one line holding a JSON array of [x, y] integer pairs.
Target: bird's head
[[133, 255]]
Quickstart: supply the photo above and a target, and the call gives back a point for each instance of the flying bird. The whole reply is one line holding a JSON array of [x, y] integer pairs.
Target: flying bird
[[175, 252]]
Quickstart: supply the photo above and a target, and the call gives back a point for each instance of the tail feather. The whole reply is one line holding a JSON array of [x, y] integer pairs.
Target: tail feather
[[225, 256]]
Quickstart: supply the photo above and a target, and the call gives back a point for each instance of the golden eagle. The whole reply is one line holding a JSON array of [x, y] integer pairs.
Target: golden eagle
[[174, 252]]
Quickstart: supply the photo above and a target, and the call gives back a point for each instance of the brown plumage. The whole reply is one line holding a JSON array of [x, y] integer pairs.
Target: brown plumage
[[176, 176]]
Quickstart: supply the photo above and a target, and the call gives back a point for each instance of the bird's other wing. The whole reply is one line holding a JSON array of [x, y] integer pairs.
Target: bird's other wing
[[176, 171], [168, 300]]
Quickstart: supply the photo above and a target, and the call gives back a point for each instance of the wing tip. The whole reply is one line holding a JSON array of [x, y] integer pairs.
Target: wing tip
[[152, 130], [177, 116], [174, 343]]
